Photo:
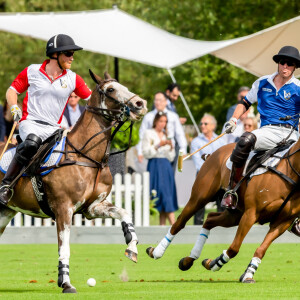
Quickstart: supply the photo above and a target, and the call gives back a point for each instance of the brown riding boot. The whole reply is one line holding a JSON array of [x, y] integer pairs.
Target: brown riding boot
[[230, 198], [6, 191]]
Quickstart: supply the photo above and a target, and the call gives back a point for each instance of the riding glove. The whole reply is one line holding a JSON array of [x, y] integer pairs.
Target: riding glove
[[230, 126], [16, 112]]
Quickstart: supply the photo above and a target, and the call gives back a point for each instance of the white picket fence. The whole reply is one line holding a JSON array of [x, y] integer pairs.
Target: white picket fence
[[133, 194]]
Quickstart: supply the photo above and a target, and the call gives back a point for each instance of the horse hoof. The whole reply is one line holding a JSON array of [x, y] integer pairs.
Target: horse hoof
[[249, 280], [206, 263], [131, 255], [149, 251], [69, 289], [185, 263]]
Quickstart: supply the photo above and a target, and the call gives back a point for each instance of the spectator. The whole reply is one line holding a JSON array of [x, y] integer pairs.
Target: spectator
[[250, 124], [173, 92], [242, 92], [73, 110], [175, 129], [159, 149], [208, 125]]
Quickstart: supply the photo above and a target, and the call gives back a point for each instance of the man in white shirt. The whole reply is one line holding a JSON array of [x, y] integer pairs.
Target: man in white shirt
[[208, 125], [175, 129]]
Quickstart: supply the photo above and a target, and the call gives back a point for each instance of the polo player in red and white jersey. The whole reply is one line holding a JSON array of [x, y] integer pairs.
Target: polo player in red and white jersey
[[48, 87]]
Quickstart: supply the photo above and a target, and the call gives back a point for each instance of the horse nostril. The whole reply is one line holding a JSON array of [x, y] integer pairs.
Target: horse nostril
[[139, 103]]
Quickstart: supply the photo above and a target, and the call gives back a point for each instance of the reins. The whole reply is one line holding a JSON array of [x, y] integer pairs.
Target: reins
[[117, 119]]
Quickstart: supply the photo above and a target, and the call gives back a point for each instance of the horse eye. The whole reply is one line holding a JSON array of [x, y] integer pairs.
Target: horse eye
[[110, 90]]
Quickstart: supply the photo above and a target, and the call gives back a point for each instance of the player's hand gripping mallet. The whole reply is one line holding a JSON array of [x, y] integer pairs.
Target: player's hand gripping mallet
[[9, 139], [181, 159]]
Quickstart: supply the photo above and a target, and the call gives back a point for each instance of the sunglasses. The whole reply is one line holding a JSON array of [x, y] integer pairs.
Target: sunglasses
[[68, 53], [288, 62], [204, 123]]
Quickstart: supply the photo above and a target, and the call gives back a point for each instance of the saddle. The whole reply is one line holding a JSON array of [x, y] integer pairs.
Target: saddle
[[259, 158]]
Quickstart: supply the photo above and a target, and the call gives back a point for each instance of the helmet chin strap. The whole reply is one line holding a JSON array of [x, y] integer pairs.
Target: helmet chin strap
[[56, 58]]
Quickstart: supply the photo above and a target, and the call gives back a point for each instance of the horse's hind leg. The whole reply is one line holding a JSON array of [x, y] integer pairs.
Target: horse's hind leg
[[6, 214], [105, 209], [228, 218], [273, 233], [63, 225]]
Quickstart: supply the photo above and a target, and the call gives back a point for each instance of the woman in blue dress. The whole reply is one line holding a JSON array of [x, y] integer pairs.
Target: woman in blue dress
[[159, 149]]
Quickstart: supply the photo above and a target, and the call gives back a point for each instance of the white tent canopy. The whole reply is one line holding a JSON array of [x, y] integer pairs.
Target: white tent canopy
[[254, 52], [116, 33], [112, 32]]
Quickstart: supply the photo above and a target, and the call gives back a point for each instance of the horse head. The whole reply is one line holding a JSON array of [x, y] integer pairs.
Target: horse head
[[115, 101]]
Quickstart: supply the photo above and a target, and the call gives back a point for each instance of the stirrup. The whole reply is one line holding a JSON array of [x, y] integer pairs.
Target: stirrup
[[9, 188], [234, 196]]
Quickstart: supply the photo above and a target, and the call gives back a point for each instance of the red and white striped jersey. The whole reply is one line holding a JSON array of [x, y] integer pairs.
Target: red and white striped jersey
[[45, 99]]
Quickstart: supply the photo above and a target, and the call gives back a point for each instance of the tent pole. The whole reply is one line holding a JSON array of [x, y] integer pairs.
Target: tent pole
[[116, 63], [185, 104]]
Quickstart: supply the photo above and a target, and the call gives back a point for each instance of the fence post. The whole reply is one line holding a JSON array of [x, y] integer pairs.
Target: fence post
[[108, 222], [146, 195], [37, 222], [78, 220], [137, 199], [118, 194], [127, 185]]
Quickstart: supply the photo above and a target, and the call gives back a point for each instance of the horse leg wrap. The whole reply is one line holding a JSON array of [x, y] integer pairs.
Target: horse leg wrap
[[196, 251], [218, 263], [163, 245], [251, 269], [129, 232], [63, 274]]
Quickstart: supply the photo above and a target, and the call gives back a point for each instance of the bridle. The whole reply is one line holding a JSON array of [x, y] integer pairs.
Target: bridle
[[117, 116]]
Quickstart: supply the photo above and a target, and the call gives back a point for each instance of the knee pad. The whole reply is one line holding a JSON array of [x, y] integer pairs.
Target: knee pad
[[242, 149], [26, 150]]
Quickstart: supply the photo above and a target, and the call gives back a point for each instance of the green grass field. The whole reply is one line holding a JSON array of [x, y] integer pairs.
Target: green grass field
[[278, 276]]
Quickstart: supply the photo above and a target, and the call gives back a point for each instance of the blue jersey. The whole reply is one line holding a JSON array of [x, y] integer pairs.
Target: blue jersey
[[273, 104]]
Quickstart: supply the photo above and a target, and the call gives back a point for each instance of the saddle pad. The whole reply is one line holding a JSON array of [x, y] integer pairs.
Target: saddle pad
[[51, 159], [270, 162]]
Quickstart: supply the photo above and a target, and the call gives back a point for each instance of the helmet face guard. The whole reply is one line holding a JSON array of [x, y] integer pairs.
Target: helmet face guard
[[59, 43]]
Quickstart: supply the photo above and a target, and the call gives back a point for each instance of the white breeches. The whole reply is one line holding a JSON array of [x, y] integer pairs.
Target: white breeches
[[268, 136], [43, 131]]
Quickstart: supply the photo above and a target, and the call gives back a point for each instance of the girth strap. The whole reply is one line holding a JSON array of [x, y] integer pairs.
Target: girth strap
[[38, 187], [285, 177]]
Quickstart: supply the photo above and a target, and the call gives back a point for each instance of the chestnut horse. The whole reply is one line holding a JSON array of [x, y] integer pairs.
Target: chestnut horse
[[83, 186], [260, 200]]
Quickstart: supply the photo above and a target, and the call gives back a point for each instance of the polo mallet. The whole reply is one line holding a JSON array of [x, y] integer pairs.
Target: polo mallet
[[181, 159], [9, 139]]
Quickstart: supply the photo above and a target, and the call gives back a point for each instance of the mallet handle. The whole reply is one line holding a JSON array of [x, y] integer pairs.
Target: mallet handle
[[9, 139], [218, 137]]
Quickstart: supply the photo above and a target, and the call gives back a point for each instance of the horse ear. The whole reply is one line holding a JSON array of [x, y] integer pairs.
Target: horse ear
[[107, 76], [95, 77]]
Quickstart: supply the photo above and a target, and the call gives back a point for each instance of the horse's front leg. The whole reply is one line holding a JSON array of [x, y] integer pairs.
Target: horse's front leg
[[214, 219], [247, 221], [203, 191], [104, 209], [63, 225], [273, 233]]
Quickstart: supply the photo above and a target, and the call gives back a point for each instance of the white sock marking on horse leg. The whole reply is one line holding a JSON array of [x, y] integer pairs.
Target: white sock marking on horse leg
[[163, 245], [201, 240], [64, 250]]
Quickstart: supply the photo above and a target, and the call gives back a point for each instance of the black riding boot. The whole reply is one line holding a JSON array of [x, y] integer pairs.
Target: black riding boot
[[230, 198], [6, 191]]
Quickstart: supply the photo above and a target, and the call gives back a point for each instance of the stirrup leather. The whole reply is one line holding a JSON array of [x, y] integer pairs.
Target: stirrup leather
[[9, 188]]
